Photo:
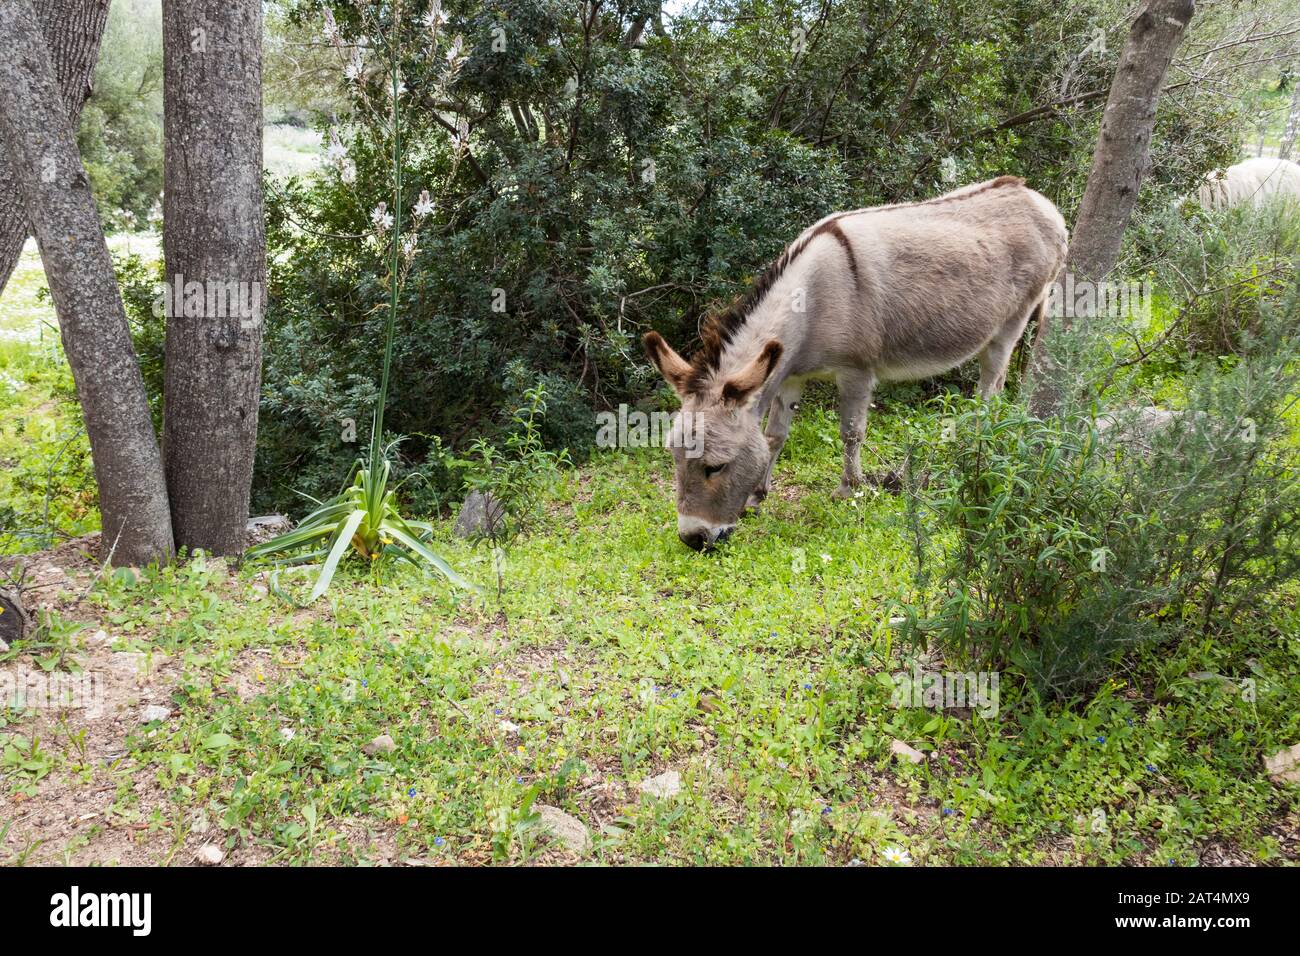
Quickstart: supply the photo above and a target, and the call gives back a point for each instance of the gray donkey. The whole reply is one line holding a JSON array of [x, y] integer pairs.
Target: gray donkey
[[890, 293]]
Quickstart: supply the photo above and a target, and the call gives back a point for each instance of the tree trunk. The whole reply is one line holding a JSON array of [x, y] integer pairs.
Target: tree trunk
[[1292, 124], [73, 30], [42, 152], [214, 247], [1119, 164]]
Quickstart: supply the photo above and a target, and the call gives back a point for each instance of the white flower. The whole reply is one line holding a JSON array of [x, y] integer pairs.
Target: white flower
[[348, 172], [826, 558], [423, 206], [381, 217], [331, 26], [434, 17], [897, 856], [408, 245], [455, 51], [356, 66], [336, 152]]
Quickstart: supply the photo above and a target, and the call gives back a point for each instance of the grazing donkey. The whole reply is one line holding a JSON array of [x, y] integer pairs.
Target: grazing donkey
[[883, 294]]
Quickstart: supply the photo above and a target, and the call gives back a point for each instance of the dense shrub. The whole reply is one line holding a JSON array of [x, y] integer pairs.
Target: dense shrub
[[1067, 541]]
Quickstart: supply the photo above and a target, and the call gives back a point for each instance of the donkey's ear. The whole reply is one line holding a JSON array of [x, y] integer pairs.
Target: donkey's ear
[[675, 369], [745, 384]]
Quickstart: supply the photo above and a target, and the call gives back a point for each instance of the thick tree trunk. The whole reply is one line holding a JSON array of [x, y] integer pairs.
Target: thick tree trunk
[[1119, 163], [73, 30], [42, 151], [214, 247]]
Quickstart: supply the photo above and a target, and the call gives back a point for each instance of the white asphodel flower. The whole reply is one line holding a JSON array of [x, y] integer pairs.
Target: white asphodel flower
[[409, 245], [423, 206], [381, 217], [434, 17], [897, 856], [331, 26], [348, 172], [356, 66], [456, 51], [336, 152]]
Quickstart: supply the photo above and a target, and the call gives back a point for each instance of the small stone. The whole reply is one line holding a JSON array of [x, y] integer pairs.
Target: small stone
[[1284, 766], [667, 784], [569, 830], [903, 752], [209, 855], [154, 712], [288, 733], [383, 744], [480, 515], [509, 726]]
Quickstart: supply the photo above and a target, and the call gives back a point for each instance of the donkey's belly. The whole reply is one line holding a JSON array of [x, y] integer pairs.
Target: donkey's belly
[[944, 349]]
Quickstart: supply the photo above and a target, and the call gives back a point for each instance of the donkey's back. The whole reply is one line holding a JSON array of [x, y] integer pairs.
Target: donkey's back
[[932, 284]]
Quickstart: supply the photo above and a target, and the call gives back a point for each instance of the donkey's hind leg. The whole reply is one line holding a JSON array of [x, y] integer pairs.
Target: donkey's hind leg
[[996, 356], [779, 415], [855, 398]]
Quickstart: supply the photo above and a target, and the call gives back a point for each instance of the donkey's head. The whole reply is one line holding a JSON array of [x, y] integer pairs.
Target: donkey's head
[[717, 441]]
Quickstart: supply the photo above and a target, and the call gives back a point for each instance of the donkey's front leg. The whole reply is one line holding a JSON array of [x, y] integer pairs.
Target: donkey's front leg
[[779, 415], [855, 398]]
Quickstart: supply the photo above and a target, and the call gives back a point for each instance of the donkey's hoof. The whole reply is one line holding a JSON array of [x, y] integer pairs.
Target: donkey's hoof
[[844, 491]]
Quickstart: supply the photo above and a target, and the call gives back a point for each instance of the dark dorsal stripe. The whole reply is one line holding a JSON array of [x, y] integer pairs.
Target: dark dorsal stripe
[[719, 329]]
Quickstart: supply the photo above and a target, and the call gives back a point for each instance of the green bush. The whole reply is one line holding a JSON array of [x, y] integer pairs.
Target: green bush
[[1069, 541]]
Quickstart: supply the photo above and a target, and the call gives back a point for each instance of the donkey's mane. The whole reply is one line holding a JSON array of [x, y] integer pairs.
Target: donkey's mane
[[719, 329]]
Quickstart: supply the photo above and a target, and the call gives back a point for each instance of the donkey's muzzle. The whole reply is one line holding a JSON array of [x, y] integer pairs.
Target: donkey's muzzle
[[701, 539], [695, 540]]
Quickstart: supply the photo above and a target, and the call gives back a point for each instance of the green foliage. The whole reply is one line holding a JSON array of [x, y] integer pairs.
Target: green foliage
[[365, 517], [518, 473], [120, 133], [1075, 539]]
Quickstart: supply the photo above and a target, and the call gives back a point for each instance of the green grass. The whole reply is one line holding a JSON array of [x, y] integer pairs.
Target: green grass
[[755, 672]]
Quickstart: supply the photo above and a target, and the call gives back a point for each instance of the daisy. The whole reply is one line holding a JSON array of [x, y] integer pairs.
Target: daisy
[[897, 856]]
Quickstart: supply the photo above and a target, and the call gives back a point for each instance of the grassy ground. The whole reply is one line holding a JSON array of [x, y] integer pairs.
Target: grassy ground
[[615, 656]]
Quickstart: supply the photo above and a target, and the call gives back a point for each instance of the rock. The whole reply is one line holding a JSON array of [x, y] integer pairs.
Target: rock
[[265, 527], [509, 726], [154, 712], [1284, 766], [903, 752], [383, 744], [480, 515], [569, 830], [667, 784], [209, 855], [14, 619]]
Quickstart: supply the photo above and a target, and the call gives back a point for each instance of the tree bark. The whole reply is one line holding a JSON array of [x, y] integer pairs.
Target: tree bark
[[213, 239], [42, 152], [73, 30], [1119, 164]]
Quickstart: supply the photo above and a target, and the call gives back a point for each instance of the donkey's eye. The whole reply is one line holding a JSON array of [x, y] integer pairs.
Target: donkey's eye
[[711, 470]]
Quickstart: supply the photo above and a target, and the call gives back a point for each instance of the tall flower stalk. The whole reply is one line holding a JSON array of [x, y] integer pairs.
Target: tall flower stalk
[[364, 517]]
